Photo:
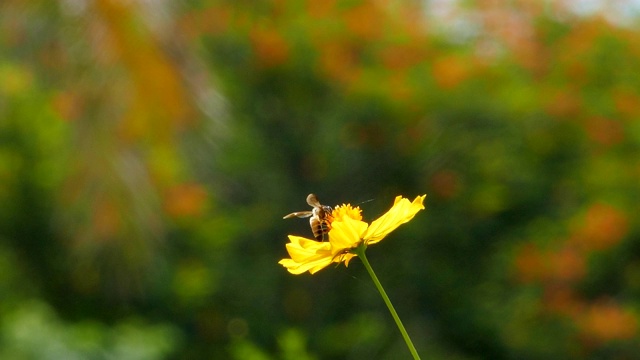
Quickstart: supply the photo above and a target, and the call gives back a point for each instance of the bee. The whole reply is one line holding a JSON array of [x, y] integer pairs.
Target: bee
[[320, 220]]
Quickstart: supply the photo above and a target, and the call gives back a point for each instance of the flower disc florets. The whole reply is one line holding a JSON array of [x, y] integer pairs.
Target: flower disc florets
[[347, 210]]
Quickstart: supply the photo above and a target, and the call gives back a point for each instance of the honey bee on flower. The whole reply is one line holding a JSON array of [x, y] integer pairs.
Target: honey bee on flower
[[347, 232]]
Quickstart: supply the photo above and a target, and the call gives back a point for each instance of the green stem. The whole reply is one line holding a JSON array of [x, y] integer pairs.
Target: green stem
[[360, 252]]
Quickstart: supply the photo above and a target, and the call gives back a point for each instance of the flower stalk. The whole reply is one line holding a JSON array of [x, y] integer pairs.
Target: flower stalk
[[360, 251]]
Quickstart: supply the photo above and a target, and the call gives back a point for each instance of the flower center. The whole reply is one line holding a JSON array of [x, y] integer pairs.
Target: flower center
[[346, 210]]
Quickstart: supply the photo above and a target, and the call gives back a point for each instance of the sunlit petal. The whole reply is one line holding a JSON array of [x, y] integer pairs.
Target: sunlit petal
[[401, 212], [301, 249], [312, 266], [306, 254], [346, 234]]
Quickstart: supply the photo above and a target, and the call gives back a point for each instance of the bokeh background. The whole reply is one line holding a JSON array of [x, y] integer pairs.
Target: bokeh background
[[149, 149]]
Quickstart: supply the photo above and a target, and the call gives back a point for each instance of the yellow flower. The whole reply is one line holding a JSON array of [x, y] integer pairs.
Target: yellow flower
[[348, 232]]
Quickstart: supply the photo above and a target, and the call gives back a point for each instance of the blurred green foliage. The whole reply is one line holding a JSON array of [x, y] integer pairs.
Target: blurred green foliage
[[148, 152]]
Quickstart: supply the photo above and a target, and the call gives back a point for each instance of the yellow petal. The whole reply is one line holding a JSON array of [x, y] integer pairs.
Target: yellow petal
[[320, 264], [401, 212], [301, 249], [346, 258], [346, 234], [306, 255], [311, 266]]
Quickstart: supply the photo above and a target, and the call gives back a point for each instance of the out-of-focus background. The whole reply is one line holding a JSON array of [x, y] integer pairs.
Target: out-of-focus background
[[149, 149]]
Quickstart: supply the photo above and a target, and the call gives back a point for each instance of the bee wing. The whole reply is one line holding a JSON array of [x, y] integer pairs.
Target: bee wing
[[300, 214], [312, 200]]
